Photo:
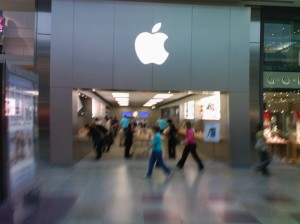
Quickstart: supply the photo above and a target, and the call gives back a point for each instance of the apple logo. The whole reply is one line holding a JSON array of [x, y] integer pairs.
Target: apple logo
[[149, 47]]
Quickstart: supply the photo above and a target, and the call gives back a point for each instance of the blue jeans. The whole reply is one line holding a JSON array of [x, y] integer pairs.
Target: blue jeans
[[157, 157]]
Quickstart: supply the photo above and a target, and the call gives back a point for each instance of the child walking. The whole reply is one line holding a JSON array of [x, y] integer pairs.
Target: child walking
[[156, 155]]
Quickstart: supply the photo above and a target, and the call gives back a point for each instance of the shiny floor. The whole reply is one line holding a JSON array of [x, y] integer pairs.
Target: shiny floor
[[113, 191]]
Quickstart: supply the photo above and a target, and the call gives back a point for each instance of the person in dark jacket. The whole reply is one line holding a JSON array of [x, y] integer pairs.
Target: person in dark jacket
[[129, 140], [97, 136], [172, 139]]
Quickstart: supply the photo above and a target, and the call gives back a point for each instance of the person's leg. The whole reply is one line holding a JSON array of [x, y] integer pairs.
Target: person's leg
[[196, 157], [127, 149], [161, 163], [99, 150], [265, 161], [152, 160], [184, 156], [173, 148], [110, 141], [170, 148]]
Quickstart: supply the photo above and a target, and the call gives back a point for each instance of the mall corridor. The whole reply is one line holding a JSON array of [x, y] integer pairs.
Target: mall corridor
[[113, 191]]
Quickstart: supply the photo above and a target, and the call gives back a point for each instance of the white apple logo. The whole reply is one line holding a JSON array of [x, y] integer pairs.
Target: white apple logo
[[149, 47]]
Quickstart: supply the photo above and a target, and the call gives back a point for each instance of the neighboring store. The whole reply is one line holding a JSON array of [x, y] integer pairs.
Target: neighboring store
[[281, 81]]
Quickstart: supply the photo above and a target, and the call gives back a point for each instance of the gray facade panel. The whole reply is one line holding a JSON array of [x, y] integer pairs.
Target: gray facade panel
[[61, 135], [130, 20], [62, 44], [176, 21], [210, 47], [239, 131], [93, 44], [239, 50]]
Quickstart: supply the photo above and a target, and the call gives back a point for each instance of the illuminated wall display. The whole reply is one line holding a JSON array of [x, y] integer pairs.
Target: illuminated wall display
[[10, 107], [210, 107], [282, 80], [189, 110], [20, 112], [149, 47], [212, 132]]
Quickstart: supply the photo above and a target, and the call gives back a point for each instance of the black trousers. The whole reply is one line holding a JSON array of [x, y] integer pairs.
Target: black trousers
[[127, 149], [264, 161], [172, 148], [98, 145], [187, 150]]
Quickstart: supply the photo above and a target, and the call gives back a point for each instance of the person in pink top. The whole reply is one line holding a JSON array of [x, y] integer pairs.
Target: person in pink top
[[190, 147]]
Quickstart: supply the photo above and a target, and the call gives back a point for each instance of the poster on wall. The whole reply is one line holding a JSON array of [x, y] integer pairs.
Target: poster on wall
[[212, 132], [189, 110], [210, 107], [20, 102]]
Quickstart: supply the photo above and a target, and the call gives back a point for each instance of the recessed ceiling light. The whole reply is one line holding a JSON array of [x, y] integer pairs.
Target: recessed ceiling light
[[155, 100], [148, 105], [163, 95], [120, 94], [123, 103], [119, 99]]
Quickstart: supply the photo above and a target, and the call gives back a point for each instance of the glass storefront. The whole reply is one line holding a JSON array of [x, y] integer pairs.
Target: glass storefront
[[281, 81]]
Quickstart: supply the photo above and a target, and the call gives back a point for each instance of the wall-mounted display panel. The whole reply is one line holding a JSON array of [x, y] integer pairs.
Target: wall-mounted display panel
[[21, 123], [189, 110], [210, 107]]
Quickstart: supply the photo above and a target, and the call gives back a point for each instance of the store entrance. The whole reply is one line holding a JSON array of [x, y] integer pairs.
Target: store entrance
[[144, 109], [282, 125]]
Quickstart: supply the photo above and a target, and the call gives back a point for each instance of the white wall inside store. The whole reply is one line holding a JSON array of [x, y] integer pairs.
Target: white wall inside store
[[96, 108]]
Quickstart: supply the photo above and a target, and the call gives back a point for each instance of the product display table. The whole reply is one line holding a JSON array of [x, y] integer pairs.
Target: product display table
[[279, 149]]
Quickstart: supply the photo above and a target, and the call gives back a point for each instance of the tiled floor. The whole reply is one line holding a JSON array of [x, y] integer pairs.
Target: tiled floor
[[112, 191]]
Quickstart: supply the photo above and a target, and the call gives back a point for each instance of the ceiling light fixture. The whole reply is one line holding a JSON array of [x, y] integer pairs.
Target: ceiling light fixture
[[120, 94], [163, 95], [122, 99]]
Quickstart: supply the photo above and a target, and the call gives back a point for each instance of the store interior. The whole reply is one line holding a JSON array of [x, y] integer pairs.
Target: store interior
[[202, 108]]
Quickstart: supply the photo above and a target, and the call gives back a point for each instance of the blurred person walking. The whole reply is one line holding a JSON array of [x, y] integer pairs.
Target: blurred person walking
[[156, 155], [190, 147]]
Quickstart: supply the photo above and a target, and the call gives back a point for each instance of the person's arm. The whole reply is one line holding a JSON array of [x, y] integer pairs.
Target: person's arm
[[153, 142]]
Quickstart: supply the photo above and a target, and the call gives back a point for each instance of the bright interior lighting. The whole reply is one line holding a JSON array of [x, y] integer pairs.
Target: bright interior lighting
[[155, 100], [123, 103], [163, 95], [148, 105], [120, 94], [122, 99], [135, 113]]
